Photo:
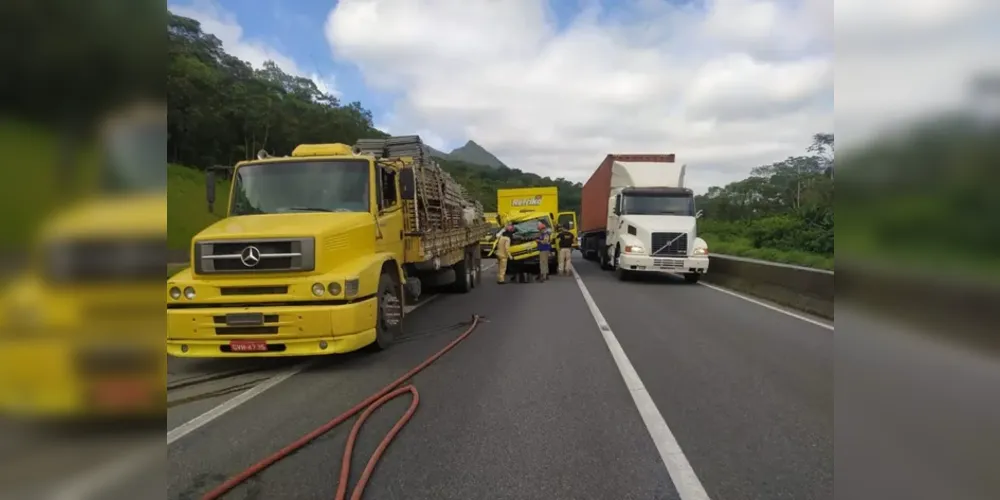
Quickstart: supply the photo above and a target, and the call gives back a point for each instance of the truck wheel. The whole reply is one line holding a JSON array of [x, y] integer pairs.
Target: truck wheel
[[389, 317], [691, 277], [622, 273], [605, 263], [464, 275]]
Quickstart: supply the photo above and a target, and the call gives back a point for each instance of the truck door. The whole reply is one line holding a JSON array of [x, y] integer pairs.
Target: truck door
[[390, 212], [568, 221], [614, 209]]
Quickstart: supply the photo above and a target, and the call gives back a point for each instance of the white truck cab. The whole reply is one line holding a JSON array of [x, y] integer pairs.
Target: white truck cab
[[652, 222]]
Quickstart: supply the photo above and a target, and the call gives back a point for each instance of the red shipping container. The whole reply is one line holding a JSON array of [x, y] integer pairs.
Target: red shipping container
[[597, 189]]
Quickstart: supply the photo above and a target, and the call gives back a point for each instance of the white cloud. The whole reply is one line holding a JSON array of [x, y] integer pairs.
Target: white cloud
[[223, 24], [727, 86], [899, 60]]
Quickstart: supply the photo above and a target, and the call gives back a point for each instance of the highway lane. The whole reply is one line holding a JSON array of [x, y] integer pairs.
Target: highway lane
[[530, 406], [747, 391]]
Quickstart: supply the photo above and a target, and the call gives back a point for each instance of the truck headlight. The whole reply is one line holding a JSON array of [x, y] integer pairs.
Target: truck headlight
[[189, 293], [175, 293], [318, 289], [634, 249], [700, 251], [334, 288]]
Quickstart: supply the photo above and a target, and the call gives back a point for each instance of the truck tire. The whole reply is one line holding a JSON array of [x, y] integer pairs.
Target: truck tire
[[603, 259], [621, 273], [691, 277], [389, 316], [477, 277], [464, 275]]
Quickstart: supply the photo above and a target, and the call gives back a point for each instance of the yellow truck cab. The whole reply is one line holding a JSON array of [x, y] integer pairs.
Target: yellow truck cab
[[321, 251], [81, 324], [517, 202], [523, 248]]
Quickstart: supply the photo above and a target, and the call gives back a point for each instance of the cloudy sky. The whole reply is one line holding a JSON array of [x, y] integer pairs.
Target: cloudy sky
[[552, 86]]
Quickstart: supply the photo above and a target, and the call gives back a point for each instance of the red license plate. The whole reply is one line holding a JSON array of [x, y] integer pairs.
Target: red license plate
[[248, 346], [121, 394]]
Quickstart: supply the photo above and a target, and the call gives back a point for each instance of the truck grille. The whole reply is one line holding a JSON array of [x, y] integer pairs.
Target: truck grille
[[255, 256], [106, 260], [676, 247]]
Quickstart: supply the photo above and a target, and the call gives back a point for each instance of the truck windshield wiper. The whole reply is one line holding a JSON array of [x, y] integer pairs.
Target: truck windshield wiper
[[309, 209]]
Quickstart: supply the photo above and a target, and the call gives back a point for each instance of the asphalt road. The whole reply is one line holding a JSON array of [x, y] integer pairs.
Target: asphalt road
[[532, 404]]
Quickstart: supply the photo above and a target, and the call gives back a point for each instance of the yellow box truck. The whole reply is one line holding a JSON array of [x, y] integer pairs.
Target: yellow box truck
[[515, 202], [321, 250]]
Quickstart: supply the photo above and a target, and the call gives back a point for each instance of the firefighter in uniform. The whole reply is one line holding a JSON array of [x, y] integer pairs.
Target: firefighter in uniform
[[503, 253]]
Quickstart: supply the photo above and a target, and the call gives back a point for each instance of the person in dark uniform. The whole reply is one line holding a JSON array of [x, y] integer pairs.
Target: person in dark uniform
[[564, 241]]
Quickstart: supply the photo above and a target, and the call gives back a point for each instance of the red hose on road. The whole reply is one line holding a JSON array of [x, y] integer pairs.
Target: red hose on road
[[369, 405]]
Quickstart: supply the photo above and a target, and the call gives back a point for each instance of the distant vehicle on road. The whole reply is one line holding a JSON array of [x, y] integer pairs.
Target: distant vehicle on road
[[321, 250], [638, 217]]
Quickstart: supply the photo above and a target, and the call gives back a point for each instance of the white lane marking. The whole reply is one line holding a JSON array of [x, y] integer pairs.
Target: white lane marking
[[769, 306], [409, 309], [89, 484], [685, 480], [210, 415], [196, 423]]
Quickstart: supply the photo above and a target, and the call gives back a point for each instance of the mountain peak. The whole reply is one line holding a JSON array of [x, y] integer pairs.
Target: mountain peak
[[475, 154]]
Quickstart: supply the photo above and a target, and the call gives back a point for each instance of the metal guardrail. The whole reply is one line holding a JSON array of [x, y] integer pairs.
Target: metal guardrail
[[808, 290]]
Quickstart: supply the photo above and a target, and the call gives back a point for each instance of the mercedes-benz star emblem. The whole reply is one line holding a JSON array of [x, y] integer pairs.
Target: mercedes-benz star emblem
[[250, 256]]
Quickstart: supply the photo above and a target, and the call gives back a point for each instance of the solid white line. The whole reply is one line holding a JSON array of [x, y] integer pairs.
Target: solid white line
[[685, 480], [409, 309], [210, 415], [769, 306], [89, 484]]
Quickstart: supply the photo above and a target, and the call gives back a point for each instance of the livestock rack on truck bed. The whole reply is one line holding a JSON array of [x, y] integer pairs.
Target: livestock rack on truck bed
[[321, 250]]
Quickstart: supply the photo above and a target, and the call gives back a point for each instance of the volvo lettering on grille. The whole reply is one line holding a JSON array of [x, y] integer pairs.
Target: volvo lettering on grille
[[250, 256]]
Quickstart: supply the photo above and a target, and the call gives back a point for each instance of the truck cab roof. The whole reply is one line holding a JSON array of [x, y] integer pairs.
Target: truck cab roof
[[656, 191]]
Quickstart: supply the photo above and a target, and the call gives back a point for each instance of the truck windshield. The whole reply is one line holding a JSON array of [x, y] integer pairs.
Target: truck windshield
[[301, 186], [659, 205], [529, 228], [135, 157]]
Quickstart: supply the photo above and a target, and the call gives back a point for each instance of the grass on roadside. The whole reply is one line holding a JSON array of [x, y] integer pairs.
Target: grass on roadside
[[742, 247], [187, 212]]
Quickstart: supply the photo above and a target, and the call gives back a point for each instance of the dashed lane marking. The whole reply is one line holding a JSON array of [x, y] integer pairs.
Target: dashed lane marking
[[681, 473]]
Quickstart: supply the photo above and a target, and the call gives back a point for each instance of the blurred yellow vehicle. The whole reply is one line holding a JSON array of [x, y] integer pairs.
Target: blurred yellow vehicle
[[82, 325], [486, 244]]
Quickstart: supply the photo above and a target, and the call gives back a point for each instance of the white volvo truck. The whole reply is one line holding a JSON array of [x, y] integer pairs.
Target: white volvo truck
[[637, 217]]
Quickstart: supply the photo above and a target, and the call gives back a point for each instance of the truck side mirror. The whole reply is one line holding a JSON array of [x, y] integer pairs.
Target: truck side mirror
[[699, 214], [210, 189]]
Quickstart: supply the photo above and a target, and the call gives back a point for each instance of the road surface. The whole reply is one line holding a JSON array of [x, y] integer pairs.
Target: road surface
[[533, 404]]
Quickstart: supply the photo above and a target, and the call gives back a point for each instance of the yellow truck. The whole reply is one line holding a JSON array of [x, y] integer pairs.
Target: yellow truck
[[321, 251], [514, 202], [81, 324], [486, 244]]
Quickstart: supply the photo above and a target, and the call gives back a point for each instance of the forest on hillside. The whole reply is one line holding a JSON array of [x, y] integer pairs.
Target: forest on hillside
[[782, 212], [222, 110]]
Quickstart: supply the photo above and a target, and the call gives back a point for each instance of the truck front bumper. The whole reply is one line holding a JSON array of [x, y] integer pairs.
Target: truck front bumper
[[648, 263], [59, 379], [290, 330]]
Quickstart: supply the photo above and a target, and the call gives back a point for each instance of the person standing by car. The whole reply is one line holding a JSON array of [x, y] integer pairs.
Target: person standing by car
[[544, 243], [564, 241], [503, 253]]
